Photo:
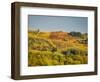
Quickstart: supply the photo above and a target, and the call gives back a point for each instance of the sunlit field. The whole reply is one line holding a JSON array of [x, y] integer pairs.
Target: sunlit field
[[57, 48]]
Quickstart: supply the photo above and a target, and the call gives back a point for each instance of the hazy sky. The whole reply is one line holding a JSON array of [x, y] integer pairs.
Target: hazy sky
[[58, 23]]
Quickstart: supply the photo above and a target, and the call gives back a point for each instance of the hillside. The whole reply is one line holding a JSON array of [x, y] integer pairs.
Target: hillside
[[55, 48]]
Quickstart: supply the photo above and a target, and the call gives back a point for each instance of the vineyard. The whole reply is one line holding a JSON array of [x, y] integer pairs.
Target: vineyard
[[57, 48]]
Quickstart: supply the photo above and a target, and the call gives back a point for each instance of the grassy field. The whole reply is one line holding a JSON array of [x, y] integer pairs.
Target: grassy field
[[56, 48]]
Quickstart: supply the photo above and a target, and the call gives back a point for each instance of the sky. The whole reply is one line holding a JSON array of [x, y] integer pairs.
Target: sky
[[57, 23]]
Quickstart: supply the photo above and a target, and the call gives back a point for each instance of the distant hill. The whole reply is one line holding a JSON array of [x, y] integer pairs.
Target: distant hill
[[64, 36], [58, 35]]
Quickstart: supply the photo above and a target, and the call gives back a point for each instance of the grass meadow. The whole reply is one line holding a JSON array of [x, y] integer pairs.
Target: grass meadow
[[57, 48]]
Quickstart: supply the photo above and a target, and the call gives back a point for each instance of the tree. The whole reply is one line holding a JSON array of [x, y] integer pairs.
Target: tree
[[38, 30], [76, 34]]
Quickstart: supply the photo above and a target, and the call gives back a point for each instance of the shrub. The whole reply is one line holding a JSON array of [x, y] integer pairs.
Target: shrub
[[40, 58], [69, 51], [68, 61], [77, 62], [59, 57], [41, 44], [74, 51]]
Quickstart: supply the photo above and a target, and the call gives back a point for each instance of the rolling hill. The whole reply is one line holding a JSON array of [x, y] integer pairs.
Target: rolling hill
[[67, 49]]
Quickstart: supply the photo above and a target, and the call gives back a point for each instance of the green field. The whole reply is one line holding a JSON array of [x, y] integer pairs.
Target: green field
[[57, 48]]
